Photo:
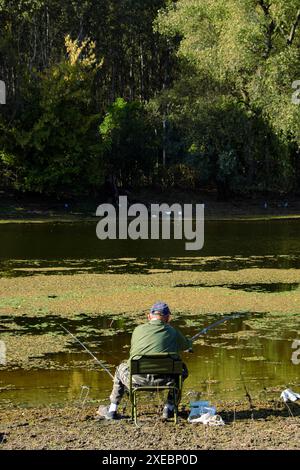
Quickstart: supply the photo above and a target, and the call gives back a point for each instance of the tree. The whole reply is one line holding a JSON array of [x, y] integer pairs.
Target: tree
[[239, 59], [53, 146], [130, 142], [137, 63]]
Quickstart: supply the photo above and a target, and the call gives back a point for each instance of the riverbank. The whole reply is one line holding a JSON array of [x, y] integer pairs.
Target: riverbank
[[270, 425], [20, 208]]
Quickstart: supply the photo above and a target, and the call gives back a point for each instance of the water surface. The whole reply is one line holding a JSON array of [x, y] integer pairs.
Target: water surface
[[224, 367]]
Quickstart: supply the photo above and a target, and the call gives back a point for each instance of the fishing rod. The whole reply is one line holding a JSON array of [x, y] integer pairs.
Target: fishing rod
[[88, 351], [202, 332], [219, 322]]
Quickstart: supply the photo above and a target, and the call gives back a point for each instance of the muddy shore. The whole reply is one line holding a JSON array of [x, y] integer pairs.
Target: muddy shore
[[270, 425]]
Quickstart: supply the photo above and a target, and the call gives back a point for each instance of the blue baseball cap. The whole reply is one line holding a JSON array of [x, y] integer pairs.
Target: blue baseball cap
[[160, 307]]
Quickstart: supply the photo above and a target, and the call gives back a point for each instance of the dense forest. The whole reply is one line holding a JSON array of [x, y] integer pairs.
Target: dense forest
[[150, 93]]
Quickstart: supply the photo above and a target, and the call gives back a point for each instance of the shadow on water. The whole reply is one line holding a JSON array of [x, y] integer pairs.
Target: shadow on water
[[22, 268], [223, 360], [264, 287], [53, 324]]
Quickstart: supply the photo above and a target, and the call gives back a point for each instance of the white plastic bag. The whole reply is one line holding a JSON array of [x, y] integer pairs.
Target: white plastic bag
[[208, 419], [289, 395], [202, 412]]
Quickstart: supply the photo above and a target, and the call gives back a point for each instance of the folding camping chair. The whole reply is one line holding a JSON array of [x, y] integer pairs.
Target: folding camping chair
[[161, 364]]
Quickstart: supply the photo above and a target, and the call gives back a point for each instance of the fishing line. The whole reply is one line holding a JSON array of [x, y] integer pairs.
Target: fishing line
[[89, 352]]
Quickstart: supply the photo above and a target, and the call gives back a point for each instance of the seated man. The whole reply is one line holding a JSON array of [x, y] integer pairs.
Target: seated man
[[156, 336]]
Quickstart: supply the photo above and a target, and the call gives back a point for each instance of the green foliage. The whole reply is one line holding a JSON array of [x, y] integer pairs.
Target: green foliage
[[130, 142], [49, 137], [176, 176], [54, 143], [234, 97], [218, 73]]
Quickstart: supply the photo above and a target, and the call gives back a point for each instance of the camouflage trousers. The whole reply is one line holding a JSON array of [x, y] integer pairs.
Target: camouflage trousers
[[121, 382]]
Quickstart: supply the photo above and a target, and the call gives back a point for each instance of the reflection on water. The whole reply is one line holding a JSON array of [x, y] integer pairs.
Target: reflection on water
[[43, 387], [228, 245], [222, 363]]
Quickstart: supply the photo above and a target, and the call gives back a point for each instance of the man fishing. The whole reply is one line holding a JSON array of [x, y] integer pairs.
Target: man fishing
[[155, 336]]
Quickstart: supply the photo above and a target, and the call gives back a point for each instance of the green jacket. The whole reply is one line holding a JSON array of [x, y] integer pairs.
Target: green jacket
[[157, 336]]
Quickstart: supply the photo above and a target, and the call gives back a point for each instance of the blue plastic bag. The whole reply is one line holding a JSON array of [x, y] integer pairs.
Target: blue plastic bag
[[199, 408]]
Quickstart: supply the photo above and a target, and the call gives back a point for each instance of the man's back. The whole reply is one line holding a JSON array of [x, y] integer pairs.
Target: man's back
[[157, 336]]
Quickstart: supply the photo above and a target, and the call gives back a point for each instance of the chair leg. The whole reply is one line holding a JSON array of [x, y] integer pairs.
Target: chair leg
[[175, 407], [134, 408], [176, 398]]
